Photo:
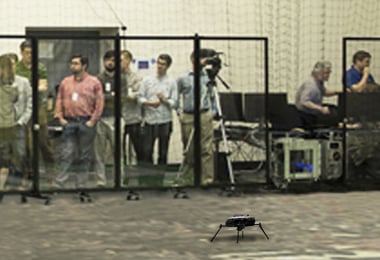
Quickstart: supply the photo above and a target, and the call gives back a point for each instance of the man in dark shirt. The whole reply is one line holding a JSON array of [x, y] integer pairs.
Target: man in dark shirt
[[105, 129]]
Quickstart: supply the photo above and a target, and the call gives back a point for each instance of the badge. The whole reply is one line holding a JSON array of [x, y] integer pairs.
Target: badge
[[75, 96], [108, 87]]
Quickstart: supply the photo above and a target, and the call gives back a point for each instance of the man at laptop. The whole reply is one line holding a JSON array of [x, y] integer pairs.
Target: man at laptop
[[309, 98]]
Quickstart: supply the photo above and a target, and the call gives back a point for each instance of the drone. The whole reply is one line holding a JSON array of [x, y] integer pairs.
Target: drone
[[240, 222]]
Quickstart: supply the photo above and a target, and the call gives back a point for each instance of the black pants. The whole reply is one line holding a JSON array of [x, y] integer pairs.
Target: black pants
[[161, 132], [310, 121], [135, 136]]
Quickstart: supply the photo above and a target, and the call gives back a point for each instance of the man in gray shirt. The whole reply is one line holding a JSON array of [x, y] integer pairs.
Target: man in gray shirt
[[23, 109], [158, 96], [309, 97], [131, 109]]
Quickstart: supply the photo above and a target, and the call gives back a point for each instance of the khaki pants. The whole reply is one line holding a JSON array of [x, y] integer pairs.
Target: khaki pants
[[207, 154]]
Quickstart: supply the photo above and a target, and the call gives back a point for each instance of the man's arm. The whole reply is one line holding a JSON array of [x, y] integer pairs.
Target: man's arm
[[313, 106], [58, 106], [330, 92], [99, 104], [359, 87]]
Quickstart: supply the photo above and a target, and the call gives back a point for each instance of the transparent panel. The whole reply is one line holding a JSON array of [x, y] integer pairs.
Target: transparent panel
[[16, 110], [71, 155], [363, 138], [238, 91], [152, 142]]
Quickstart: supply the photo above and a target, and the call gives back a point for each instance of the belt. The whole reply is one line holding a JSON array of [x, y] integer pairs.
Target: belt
[[201, 111], [78, 118]]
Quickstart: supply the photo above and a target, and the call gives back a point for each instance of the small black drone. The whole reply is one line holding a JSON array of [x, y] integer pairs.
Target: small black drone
[[240, 222]]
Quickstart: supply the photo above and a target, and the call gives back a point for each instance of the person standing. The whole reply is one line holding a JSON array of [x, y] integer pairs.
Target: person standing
[[158, 96], [79, 105], [8, 97], [23, 109], [105, 128], [186, 115], [24, 69], [132, 112]]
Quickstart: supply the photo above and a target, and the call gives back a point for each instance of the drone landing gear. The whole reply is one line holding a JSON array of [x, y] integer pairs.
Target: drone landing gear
[[133, 195], [238, 230]]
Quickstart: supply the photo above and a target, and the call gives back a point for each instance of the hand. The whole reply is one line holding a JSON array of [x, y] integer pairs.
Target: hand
[[63, 121], [161, 97], [366, 71], [90, 124], [325, 110], [154, 104]]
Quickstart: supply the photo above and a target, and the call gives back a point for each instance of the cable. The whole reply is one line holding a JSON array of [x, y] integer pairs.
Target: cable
[[123, 26], [96, 13]]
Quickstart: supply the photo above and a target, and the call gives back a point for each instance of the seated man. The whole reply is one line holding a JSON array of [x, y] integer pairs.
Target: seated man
[[358, 77], [309, 97]]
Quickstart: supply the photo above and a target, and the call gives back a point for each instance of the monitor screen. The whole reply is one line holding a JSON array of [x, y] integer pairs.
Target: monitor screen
[[360, 106], [254, 107], [232, 106]]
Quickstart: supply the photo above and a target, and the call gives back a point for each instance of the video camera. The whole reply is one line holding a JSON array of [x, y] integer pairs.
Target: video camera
[[213, 62]]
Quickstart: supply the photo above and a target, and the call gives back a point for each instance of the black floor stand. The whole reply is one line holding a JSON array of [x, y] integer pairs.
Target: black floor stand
[[133, 195], [180, 193], [230, 191], [84, 197], [34, 193]]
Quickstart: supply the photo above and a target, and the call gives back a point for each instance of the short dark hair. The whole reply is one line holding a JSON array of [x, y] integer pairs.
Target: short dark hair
[[167, 58], [360, 55], [109, 54], [83, 59], [25, 44], [204, 53]]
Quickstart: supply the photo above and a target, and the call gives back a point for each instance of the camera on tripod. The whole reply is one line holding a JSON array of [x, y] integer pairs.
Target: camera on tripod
[[213, 62]]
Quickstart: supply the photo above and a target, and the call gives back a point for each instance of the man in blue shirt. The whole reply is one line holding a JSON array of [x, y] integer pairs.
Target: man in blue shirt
[[358, 76], [186, 114]]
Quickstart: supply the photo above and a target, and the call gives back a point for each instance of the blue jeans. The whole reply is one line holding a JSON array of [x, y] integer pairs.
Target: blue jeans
[[77, 145]]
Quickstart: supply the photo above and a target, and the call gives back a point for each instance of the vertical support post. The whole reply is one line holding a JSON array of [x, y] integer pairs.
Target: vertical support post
[[117, 113], [197, 126]]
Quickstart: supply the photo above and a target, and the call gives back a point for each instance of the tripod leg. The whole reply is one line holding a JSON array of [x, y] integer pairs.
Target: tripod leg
[[261, 227], [220, 227], [224, 136]]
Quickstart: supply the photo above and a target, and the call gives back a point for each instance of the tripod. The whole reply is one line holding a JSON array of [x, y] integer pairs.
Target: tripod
[[212, 84]]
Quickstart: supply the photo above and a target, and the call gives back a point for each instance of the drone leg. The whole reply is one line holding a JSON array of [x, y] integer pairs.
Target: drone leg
[[220, 227], [237, 236], [261, 227]]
